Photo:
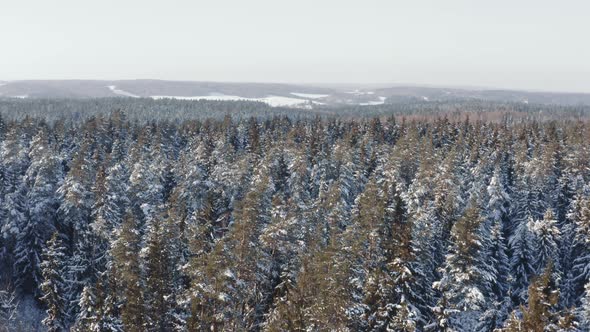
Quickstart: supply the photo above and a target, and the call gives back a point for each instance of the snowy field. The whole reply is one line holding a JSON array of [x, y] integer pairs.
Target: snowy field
[[274, 101], [360, 93], [381, 101], [309, 95], [119, 92]]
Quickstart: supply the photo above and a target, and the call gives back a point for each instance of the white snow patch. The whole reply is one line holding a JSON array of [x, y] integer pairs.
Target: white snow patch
[[223, 297], [309, 95], [144, 252], [211, 97], [371, 103], [270, 100], [114, 89], [381, 101], [282, 101], [425, 98], [20, 96], [228, 273], [359, 92], [526, 101]]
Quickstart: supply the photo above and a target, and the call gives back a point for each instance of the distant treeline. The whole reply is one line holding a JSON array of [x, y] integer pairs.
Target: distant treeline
[[147, 109]]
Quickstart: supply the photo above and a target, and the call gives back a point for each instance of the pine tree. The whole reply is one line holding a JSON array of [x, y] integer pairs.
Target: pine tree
[[581, 264], [125, 253], [404, 315], [249, 279], [319, 292], [541, 313], [317, 297], [108, 318], [205, 268], [426, 231], [364, 239], [584, 309], [160, 275], [54, 286], [208, 293]]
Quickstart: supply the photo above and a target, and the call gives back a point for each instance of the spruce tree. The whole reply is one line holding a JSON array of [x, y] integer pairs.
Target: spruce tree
[[88, 317], [545, 243], [459, 284], [521, 261], [39, 219]]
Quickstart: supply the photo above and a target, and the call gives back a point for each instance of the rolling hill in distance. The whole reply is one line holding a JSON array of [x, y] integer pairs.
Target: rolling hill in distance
[[274, 94]]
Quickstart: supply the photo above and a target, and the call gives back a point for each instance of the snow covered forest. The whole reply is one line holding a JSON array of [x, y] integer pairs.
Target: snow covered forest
[[279, 223]]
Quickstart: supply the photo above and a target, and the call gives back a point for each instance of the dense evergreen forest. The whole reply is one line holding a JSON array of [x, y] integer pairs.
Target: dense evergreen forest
[[148, 109], [281, 223]]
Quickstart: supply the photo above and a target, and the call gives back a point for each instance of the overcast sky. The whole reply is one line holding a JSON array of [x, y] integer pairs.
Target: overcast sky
[[525, 44]]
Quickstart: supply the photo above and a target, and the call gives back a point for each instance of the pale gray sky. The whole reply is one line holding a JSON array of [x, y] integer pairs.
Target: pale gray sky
[[526, 44]]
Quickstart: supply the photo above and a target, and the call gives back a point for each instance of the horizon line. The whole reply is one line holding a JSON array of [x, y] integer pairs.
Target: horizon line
[[308, 84]]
